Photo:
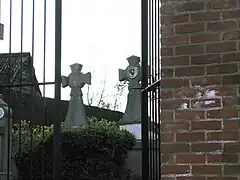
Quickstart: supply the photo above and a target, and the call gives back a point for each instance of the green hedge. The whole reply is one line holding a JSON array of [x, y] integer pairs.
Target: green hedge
[[97, 151]]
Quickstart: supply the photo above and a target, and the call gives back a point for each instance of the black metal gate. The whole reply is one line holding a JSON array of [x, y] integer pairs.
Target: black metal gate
[[18, 85], [151, 155]]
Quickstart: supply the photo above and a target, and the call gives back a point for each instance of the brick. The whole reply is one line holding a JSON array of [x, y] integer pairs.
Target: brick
[[189, 28], [227, 36], [205, 59], [166, 30], [174, 83], [222, 69], [166, 51], [231, 14], [231, 57], [190, 158], [222, 178], [189, 115], [180, 18], [206, 147], [177, 39], [221, 25], [207, 81], [221, 4], [225, 135], [166, 93], [206, 125], [221, 47], [190, 6], [167, 137], [175, 169], [205, 37], [203, 16], [191, 136], [167, 10], [167, 72], [186, 92], [175, 127], [173, 103], [232, 169], [190, 71], [231, 79], [190, 49], [230, 102], [232, 147], [167, 158], [175, 148], [225, 90], [223, 113], [206, 104], [231, 125], [167, 178], [222, 158], [191, 178], [175, 61], [166, 116], [206, 169]]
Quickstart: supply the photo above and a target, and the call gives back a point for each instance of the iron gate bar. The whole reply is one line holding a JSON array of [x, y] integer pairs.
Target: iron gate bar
[[25, 84], [144, 84], [58, 37], [152, 86], [151, 157], [44, 79], [9, 73]]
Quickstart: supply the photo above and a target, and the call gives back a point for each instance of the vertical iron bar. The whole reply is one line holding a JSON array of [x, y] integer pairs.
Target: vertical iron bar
[[21, 70], [159, 106], [58, 36], [144, 84], [32, 79], [9, 79], [151, 60], [155, 101], [44, 81]]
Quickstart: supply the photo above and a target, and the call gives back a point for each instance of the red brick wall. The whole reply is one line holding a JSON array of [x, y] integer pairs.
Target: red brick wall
[[200, 52]]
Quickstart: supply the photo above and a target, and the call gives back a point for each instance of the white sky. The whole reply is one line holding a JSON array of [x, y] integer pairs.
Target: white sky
[[100, 34]]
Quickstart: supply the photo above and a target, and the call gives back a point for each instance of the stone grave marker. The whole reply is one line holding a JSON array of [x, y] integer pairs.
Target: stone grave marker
[[131, 119], [76, 115]]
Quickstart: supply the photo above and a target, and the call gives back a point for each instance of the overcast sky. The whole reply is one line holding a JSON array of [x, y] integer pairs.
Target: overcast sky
[[100, 34]]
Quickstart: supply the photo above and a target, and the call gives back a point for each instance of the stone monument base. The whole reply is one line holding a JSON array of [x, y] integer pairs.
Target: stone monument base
[[136, 130], [134, 160], [4, 176]]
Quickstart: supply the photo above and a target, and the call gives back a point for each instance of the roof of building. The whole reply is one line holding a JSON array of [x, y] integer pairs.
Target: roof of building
[[17, 68]]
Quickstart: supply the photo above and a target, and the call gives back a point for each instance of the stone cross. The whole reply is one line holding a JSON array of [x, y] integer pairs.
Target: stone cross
[[132, 74], [76, 115]]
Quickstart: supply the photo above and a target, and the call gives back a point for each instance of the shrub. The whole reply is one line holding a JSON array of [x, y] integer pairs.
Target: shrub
[[97, 151]]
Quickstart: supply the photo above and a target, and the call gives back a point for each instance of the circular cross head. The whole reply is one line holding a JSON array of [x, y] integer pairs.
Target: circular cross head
[[132, 72], [2, 113]]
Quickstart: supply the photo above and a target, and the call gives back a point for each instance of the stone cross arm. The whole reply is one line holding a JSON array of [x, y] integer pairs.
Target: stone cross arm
[[122, 74], [64, 81], [86, 78]]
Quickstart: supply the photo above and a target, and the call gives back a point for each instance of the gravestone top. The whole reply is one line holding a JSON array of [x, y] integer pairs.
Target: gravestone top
[[76, 115], [132, 73], [76, 80]]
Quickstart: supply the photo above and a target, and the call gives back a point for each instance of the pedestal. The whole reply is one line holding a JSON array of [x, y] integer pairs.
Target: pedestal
[[136, 130], [134, 160], [5, 176], [5, 148]]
